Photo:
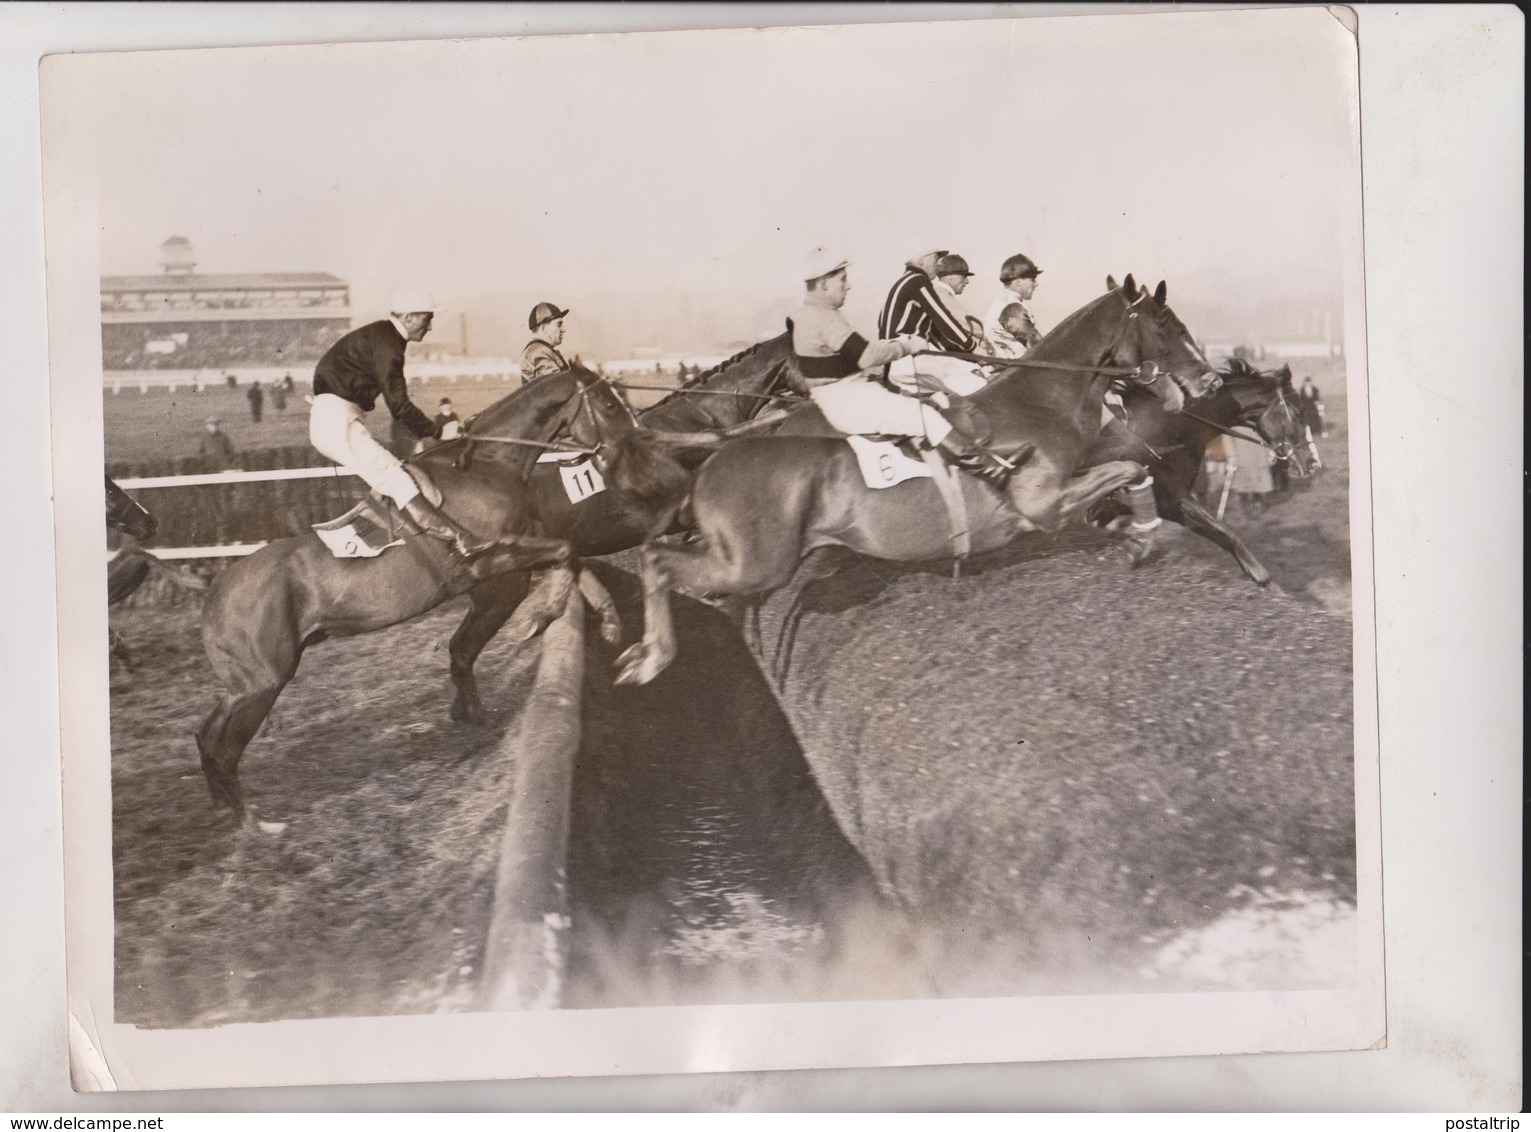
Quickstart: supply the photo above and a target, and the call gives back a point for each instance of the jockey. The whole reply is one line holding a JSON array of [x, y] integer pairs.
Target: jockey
[[952, 276], [914, 307], [835, 361], [352, 373], [1009, 326], [541, 355]]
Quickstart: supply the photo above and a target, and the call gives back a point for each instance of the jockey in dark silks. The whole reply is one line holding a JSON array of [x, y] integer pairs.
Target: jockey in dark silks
[[362, 365]]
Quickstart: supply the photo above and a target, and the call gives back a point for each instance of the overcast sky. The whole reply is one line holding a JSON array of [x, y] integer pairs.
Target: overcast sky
[[1165, 144]]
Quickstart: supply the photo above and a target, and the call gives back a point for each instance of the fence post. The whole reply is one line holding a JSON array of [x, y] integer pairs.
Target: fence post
[[524, 951]]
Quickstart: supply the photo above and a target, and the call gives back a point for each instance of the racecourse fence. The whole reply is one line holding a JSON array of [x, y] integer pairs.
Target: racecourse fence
[[272, 493]]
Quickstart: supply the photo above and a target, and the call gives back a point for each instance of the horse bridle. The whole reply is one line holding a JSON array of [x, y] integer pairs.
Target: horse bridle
[[567, 444], [1282, 450]]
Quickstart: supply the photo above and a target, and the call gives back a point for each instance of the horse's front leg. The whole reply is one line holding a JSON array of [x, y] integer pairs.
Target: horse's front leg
[[654, 653], [1204, 523]]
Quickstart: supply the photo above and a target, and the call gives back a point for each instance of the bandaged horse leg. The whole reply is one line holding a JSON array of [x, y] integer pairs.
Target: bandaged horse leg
[[1080, 491]]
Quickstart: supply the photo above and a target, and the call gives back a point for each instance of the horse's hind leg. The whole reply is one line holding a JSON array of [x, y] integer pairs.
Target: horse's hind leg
[[222, 739], [253, 646], [492, 604]]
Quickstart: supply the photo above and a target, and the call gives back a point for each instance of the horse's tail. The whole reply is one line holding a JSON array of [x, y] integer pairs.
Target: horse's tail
[[645, 474]]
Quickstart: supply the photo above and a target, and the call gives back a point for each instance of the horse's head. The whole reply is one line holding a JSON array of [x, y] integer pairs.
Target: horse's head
[[1156, 340], [574, 404], [1280, 423], [600, 414], [731, 392], [126, 514]]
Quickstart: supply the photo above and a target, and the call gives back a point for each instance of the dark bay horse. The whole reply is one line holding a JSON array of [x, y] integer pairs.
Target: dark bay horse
[[126, 514], [1173, 445], [728, 395], [266, 609], [130, 568], [762, 503]]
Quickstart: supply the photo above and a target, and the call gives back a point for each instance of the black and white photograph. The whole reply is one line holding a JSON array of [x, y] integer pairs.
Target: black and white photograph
[[715, 550]]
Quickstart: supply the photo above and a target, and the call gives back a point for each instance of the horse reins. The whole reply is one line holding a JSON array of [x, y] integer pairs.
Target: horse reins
[[1013, 363], [711, 392]]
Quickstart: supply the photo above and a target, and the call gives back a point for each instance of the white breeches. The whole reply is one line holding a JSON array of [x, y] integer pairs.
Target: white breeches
[[957, 375], [335, 428], [857, 405]]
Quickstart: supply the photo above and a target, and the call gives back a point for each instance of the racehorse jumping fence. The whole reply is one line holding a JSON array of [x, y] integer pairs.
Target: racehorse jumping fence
[[524, 952]]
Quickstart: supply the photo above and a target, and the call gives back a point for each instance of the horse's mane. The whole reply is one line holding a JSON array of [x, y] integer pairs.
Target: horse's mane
[[488, 412], [1238, 369], [708, 374]]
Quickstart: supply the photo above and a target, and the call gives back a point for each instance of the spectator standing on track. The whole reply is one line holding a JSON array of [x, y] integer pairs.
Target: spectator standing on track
[[541, 355], [914, 307], [1009, 326], [362, 365], [279, 396], [257, 401], [1312, 407], [215, 449]]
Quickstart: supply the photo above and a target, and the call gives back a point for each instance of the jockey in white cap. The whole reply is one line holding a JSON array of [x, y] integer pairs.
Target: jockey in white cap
[[364, 363], [835, 362]]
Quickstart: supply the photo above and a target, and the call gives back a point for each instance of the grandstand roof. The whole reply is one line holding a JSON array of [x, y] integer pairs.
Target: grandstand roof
[[253, 281]]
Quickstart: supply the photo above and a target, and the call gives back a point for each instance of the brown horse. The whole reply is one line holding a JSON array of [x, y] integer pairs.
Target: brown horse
[[761, 504], [1173, 445], [266, 609], [601, 522]]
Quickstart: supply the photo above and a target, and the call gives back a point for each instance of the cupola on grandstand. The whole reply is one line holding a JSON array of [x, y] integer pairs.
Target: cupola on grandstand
[[180, 320]]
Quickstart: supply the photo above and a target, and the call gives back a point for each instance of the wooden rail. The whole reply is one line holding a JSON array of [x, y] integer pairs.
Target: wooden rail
[[523, 963]]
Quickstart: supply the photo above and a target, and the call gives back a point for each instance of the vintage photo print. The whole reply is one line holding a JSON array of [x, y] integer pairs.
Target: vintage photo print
[[719, 550]]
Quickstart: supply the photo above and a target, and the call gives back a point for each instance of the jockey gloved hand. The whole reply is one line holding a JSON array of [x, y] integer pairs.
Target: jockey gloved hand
[[913, 344]]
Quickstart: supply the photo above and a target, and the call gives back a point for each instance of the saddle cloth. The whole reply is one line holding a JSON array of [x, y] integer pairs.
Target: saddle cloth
[[372, 526], [884, 463]]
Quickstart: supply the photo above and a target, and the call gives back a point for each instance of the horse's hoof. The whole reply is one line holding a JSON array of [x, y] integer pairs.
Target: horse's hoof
[[468, 711], [611, 632], [638, 665]]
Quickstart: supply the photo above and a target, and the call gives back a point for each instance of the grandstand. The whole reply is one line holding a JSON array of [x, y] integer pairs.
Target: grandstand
[[180, 320]]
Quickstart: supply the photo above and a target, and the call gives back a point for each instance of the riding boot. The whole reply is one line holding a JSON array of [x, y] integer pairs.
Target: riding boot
[[965, 453], [432, 522]]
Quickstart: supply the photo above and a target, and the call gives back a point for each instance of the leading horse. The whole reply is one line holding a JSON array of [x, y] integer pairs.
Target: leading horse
[[1173, 446], [762, 503], [267, 608]]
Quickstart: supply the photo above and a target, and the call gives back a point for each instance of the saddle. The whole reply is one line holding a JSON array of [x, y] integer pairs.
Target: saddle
[[373, 525]]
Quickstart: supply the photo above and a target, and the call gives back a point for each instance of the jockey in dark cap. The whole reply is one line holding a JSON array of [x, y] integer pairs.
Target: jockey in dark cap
[[541, 355]]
